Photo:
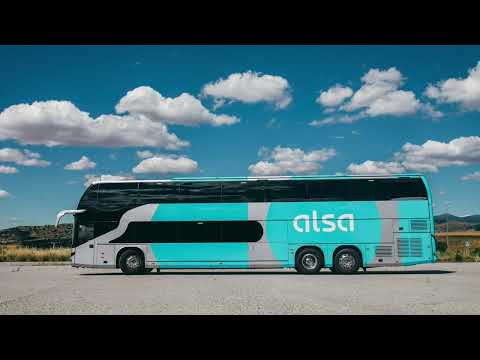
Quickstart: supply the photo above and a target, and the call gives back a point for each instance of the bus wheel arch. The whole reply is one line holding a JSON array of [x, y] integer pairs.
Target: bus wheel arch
[[348, 250], [131, 252], [305, 253]]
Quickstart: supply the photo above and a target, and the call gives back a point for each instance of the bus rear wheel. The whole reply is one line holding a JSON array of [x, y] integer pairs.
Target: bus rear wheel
[[309, 261], [347, 261], [131, 262]]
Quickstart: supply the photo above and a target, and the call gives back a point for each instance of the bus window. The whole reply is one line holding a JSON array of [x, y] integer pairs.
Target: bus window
[[280, 190], [156, 193], [155, 232], [89, 198], [114, 200], [198, 231], [368, 190], [83, 232], [243, 191], [327, 190], [117, 196], [199, 192], [408, 188]]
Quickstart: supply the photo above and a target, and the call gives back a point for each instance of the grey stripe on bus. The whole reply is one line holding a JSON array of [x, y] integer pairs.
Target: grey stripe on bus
[[389, 220], [260, 251]]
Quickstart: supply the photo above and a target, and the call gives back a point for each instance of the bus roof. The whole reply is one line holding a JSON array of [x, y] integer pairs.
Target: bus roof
[[253, 178]]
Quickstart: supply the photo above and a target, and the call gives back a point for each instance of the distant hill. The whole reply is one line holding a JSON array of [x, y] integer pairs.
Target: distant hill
[[38, 236], [457, 223], [471, 219]]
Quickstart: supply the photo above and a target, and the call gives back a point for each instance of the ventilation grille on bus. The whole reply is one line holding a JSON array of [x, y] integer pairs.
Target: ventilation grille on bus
[[409, 247], [383, 251], [418, 225]]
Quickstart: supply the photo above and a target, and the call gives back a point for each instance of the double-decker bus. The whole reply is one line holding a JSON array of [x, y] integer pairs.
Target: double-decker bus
[[304, 222]]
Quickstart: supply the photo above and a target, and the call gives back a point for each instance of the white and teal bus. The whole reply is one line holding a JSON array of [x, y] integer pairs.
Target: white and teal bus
[[342, 223]]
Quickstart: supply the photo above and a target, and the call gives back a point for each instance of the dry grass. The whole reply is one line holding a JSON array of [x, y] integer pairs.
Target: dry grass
[[18, 253], [462, 234], [456, 252]]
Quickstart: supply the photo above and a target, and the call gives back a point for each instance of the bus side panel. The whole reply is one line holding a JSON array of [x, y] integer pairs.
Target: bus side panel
[[413, 235], [185, 253]]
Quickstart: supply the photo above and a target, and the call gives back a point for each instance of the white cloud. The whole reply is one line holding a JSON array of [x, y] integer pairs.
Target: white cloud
[[394, 103], [8, 170], [182, 110], [250, 87], [90, 178], [335, 95], [83, 164], [144, 154], [4, 194], [283, 160], [370, 167], [24, 158], [435, 154], [379, 94], [263, 152], [475, 176], [465, 92], [164, 164], [337, 119], [272, 123], [375, 76], [428, 157], [54, 123]]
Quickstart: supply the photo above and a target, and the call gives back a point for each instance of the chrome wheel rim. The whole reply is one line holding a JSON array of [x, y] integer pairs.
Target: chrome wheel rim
[[347, 261], [309, 261], [133, 262]]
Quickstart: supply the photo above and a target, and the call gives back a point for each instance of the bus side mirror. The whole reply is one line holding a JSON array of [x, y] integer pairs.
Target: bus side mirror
[[67, 212]]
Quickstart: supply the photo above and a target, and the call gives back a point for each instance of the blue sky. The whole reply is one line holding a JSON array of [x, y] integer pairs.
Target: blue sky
[[271, 117]]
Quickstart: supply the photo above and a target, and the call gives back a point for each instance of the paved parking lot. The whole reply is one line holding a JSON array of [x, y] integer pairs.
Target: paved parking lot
[[423, 289]]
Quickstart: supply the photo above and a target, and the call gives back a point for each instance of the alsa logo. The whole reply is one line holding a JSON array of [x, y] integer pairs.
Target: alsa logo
[[303, 223]]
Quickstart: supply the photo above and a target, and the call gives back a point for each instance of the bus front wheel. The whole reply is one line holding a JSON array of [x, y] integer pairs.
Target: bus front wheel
[[131, 262], [309, 261], [347, 261]]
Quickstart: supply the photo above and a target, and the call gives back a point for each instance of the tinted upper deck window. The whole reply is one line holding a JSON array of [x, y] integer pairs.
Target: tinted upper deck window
[[243, 191], [408, 188], [117, 195], [365, 189], [89, 198], [160, 192], [328, 190], [368, 189], [285, 190], [199, 192], [115, 199]]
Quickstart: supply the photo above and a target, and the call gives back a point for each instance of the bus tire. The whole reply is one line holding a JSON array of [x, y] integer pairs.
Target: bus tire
[[309, 261], [132, 262], [347, 261]]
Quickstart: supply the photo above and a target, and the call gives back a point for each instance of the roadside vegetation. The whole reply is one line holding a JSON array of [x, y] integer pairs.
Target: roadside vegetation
[[20, 253], [462, 247]]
